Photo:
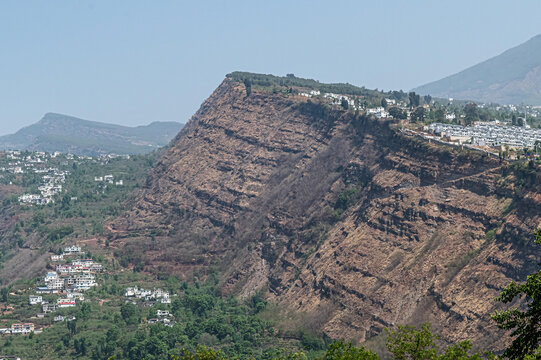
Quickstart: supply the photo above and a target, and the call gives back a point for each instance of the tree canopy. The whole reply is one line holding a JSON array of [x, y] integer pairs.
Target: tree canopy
[[525, 324]]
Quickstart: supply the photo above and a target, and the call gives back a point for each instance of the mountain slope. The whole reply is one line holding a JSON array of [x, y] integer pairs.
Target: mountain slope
[[333, 215], [511, 77], [57, 132]]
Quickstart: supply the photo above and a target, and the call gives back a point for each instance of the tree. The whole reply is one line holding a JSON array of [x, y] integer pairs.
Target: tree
[[384, 103], [461, 352], [4, 295], [80, 346], [344, 103], [410, 343], [525, 324], [427, 99], [397, 113], [414, 99], [311, 341], [439, 115], [128, 312], [339, 350], [65, 201], [471, 113], [201, 353], [85, 311], [199, 304], [248, 85], [72, 326], [418, 115]]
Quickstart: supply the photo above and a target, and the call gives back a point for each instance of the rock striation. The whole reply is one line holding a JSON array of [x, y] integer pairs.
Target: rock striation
[[335, 215]]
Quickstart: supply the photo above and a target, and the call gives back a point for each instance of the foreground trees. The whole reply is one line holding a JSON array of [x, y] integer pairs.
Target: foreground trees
[[411, 343], [525, 324]]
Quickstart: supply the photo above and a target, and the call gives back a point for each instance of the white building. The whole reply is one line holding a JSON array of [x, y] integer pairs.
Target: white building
[[63, 303], [47, 308], [34, 300], [72, 250], [57, 257], [25, 328]]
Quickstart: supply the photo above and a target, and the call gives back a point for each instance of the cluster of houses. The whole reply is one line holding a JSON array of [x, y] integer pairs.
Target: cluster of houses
[[20, 328], [50, 186], [486, 134], [378, 111], [158, 295], [108, 179], [336, 99], [19, 163], [53, 179], [528, 110], [163, 317], [37, 163], [69, 280]]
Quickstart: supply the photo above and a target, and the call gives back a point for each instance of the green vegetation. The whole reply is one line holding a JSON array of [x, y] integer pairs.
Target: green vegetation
[[268, 81], [79, 210], [344, 200], [523, 174], [206, 324], [524, 323], [408, 342], [404, 343], [106, 325]]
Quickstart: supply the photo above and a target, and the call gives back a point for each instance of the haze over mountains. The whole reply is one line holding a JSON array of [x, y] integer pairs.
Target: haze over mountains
[[57, 132], [513, 77]]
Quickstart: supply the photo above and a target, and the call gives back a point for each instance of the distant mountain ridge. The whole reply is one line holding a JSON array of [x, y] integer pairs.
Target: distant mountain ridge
[[512, 77], [58, 132]]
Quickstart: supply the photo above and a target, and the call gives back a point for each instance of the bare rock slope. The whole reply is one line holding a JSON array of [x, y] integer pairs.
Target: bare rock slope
[[335, 215]]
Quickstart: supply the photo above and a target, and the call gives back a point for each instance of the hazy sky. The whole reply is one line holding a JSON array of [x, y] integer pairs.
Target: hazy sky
[[134, 62]]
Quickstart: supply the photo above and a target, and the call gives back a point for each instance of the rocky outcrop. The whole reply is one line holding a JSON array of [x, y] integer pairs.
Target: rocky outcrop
[[323, 209]]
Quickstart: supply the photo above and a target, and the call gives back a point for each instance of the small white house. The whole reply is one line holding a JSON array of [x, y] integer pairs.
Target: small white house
[[35, 299], [63, 303], [162, 313], [72, 250], [57, 257], [50, 276], [26, 328]]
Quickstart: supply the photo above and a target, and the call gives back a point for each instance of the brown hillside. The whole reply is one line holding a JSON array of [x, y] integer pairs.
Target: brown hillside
[[335, 215]]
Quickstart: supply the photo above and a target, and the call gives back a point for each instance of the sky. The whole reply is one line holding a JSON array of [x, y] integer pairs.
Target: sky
[[134, 62]]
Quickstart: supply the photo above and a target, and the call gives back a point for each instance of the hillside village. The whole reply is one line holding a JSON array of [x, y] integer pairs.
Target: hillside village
[[65, 287], [51, 170], [492, 135], [68, 282]]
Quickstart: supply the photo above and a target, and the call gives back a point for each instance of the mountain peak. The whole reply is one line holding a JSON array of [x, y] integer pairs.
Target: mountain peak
[[511, 77], [65, 133], [57, 116]]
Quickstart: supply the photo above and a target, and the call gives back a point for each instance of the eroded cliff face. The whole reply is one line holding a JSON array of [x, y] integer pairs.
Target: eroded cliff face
[[334, 215]]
